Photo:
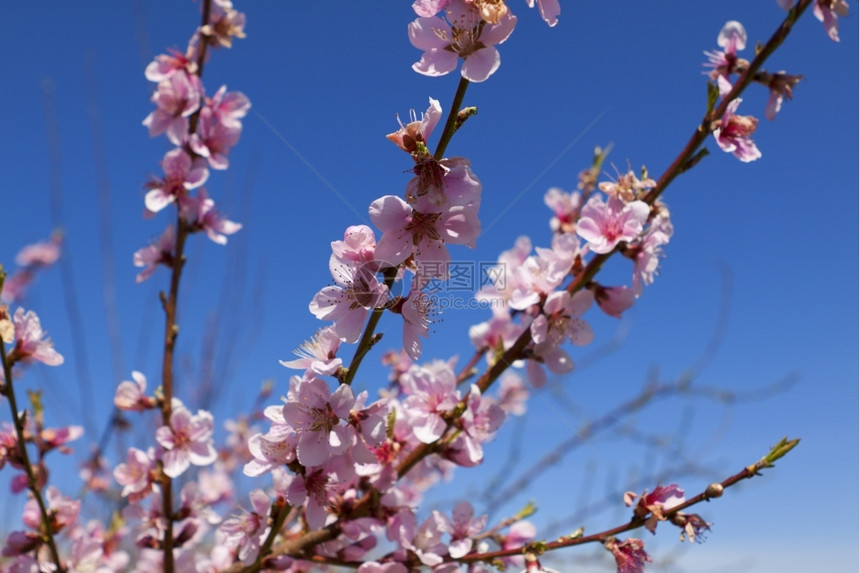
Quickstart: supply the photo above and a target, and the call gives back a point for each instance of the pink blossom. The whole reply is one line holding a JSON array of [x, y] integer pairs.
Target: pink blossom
[[30, 341], [604, 225], [478, 424], [225, 23], [417, 130], [181, 174], [136, 474], [513, 394], [432, 392], [462, 528], [549, 10], [165, 65], [177, 97], [541, 274], [160, 252], [407, 232], [57, 438], [558, 322], [247, 531], [315, 413], [428, 8], [229, 107], [467, 37], [213, 139], [732, 38], [274, 449], [41, 254], [630, 555], [357, 249], [734, 131], [63, 511], [449, 181], [517, 536], [628, 186], [654, 502], [186, 440], [203, 216], [319, 354], [315, 487], [647, 251], [496, 334], [565, 208], [349, 302], [132, 395]]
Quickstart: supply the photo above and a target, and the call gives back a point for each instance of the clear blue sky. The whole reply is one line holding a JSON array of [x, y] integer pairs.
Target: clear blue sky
[[329, 82]]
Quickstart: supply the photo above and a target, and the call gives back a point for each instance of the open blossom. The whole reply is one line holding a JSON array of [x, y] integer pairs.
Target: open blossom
[[165, 65], [654, 502], [201, 213], [187, 440], [213, 139], [732, 39], [273, 449], [541, 274], [225, 23], [462, 528], [132, 395], [432, 391], [159, 252], [246, 531], [30, 341], [315, 413], [733, 133], [228, 108], [565, 207], [559, 322], [478, 424], [319, 354], [177, 97], [604, 225], [136, 474], [349, 302], [181, 174], [417, 130], [406, 231], [465, 35]]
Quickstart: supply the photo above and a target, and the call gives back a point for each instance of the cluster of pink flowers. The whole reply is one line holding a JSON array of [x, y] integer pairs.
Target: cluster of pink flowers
[[533, 287], [202, 128]]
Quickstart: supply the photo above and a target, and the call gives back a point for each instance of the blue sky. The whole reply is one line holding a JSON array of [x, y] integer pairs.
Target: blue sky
[[325, 85]]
